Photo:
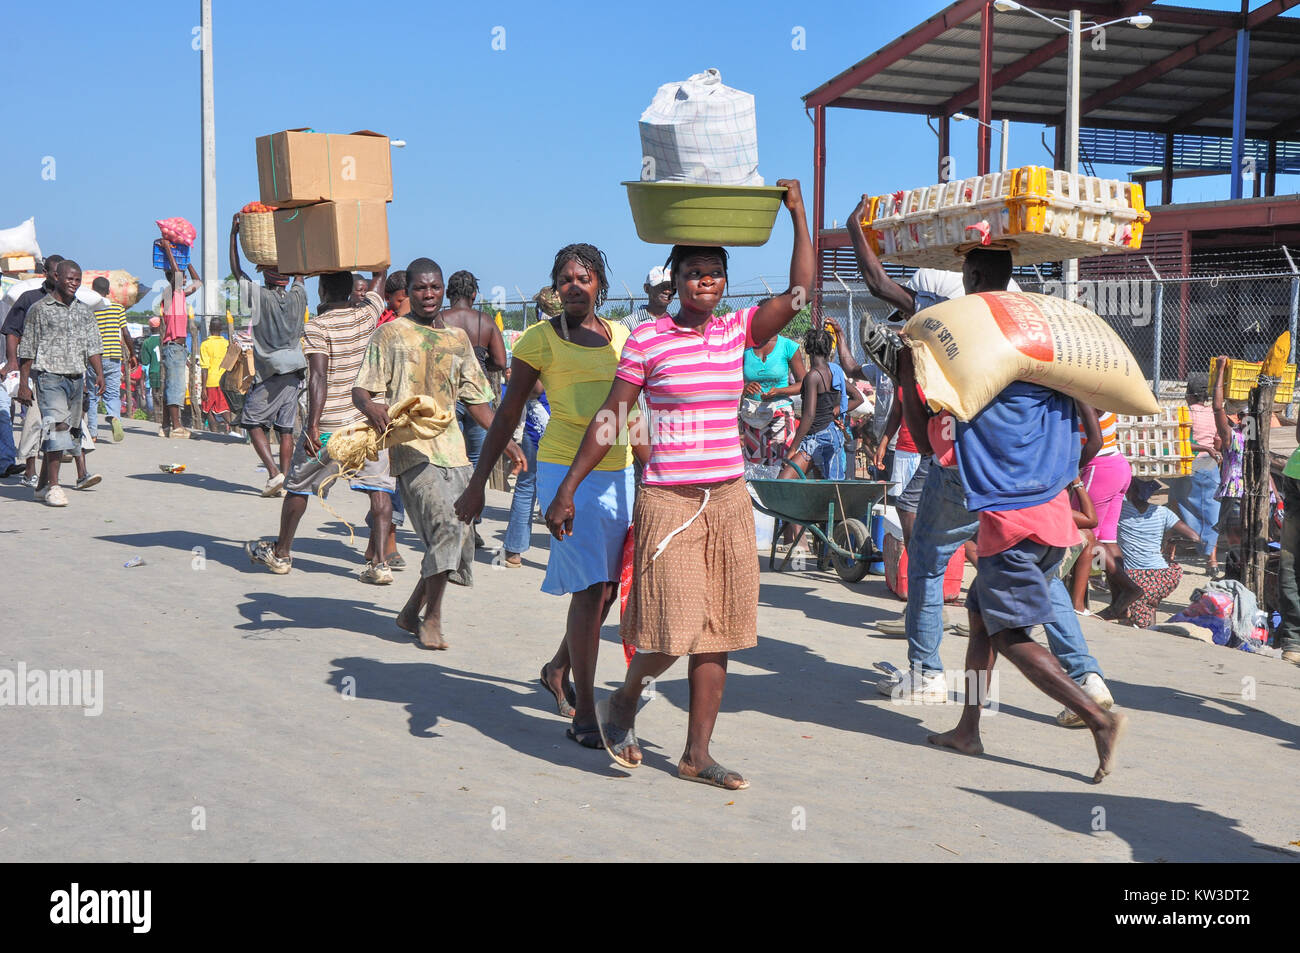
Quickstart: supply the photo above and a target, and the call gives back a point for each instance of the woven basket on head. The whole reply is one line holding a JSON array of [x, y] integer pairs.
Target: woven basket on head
[[257, 237]]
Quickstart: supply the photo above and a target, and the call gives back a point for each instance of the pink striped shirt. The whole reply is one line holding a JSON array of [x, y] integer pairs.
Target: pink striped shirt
[[693, 381]]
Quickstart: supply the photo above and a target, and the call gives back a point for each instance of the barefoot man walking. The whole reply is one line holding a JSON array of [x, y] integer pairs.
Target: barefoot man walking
[[419, 355]]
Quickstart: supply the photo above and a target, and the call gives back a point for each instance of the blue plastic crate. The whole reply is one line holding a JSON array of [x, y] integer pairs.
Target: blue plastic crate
[[180, 252]]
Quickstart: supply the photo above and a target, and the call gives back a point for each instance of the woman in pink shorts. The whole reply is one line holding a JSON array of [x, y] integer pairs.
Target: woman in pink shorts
[[1106, 478]]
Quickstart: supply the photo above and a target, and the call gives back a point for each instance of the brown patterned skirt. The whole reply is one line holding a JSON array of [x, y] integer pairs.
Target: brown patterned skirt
[[701, 594]]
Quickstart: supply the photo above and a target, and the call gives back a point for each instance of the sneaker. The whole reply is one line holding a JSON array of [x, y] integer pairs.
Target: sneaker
[[118, 432], [1094, 688], [89, 480], [13, 470], [179, 433], [52, 495], [396, 562], [925, 688], [29, 481], [894, 628], [261, 551], [513, 560], [377, 574], [274, 486]]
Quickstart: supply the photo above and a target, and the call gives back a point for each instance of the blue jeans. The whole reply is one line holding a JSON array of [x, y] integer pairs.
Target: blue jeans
[[942, 524], [519, 533], [473, 433], [8, 452], [825, 449], [112, 395], [175, 373], [1196, 503], [60, 400]]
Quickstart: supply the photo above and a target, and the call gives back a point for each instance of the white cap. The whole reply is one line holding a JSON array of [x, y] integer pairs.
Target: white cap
[[658, 276]]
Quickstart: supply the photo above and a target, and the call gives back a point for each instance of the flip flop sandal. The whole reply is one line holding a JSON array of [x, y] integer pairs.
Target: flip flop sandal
[[716, 775], [616, 739], [563, 705], [586, 735]]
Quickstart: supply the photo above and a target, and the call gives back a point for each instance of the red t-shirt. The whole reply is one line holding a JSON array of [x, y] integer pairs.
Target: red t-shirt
[[1050, 523]]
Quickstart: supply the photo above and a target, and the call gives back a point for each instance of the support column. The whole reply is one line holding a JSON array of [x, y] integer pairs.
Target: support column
[[1184, 268], [1167, 179], [1270, 174], [1239, 109], [945, 150], [819, 192], [986, 88]]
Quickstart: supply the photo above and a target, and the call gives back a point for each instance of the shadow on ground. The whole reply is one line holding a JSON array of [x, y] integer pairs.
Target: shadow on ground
[[509, 711], [1156, 830], [230, 553]]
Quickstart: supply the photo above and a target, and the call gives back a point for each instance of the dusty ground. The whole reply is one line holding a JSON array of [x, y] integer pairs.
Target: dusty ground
[[248, 716]]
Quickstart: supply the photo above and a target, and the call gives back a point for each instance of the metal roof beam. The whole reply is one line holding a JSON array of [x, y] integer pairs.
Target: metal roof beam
[[1213, 106], [892, 52], [1030, 61], [1174, 60]]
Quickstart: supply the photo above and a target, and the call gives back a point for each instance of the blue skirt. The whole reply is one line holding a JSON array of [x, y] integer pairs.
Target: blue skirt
[[602, 508]]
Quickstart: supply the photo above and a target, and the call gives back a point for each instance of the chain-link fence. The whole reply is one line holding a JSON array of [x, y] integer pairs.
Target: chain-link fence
[[1173, 326]]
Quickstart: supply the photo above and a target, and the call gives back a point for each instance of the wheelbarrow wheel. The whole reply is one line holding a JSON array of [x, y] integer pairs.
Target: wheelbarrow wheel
[[851, 535]]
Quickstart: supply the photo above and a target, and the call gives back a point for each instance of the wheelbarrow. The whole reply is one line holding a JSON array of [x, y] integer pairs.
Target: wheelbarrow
[[822, 507]]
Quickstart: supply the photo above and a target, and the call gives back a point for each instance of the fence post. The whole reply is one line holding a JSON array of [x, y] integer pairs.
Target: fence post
[[1295, 301], [1158, 330]]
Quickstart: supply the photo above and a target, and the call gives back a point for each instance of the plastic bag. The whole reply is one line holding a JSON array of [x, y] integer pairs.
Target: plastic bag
[[700, 131], [20, 240], [177, 230]]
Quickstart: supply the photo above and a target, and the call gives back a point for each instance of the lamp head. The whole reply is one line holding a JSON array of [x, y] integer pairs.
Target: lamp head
[[1141, 21], [1005, 6]]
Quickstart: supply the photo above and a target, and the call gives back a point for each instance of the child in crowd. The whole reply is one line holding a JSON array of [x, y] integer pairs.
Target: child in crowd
[[1142, 529], [211, 353], [1229, 420]]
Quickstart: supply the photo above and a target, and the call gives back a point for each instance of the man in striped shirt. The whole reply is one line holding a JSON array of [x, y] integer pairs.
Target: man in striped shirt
[[112, 333], [334, 342]]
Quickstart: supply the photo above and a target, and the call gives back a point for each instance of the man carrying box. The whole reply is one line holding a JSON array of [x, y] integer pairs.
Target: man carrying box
[[278, 314]]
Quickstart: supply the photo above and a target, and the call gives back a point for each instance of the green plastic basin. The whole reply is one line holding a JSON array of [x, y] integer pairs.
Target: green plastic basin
[[681, 213]]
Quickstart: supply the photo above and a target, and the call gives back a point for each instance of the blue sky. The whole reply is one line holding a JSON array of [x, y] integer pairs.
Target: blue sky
[[511, 153]]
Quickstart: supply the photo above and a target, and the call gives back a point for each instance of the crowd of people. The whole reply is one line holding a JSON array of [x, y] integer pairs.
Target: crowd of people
[[633, 438]]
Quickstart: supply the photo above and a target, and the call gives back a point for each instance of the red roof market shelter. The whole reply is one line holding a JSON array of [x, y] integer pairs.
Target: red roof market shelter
[[1173, 94]]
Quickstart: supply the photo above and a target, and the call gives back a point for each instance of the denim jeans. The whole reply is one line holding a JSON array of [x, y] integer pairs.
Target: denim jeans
[[519, 532], [112, 395], [1288, 579], [60, 400], [174, 360], [474, 433], [8, 452], [942, 524]]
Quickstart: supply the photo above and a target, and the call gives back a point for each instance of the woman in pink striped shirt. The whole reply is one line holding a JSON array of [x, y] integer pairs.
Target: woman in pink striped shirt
[[695, 584]]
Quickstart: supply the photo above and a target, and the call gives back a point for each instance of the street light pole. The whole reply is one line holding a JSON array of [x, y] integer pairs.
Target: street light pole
[[1071, 266], [211, 275], [1006, 129]]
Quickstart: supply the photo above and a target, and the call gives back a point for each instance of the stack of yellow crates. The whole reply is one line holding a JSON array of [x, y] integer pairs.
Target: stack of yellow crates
[[1042, 214]]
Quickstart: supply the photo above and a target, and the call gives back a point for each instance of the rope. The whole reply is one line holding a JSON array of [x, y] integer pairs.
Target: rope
[[664, 542]]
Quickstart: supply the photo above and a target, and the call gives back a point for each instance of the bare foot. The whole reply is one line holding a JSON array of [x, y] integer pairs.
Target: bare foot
[[431, 635], [408, 620], [624, 716], [1107, 741], [958, 742]]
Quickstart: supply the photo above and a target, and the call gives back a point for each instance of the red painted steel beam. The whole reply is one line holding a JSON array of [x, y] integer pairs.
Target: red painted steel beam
[[891, 53], [819, 185], [985, 132], [1205, 44]]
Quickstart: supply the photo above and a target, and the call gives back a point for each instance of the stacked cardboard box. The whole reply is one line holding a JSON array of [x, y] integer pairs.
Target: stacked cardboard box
[[331, 193]]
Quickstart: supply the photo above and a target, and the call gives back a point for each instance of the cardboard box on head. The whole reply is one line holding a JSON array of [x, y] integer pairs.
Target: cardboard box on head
[[300, 167], [332, 236]]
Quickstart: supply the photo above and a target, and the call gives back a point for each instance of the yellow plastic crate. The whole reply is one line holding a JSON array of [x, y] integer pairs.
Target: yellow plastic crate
[[1047, 215], [1241, 377]]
